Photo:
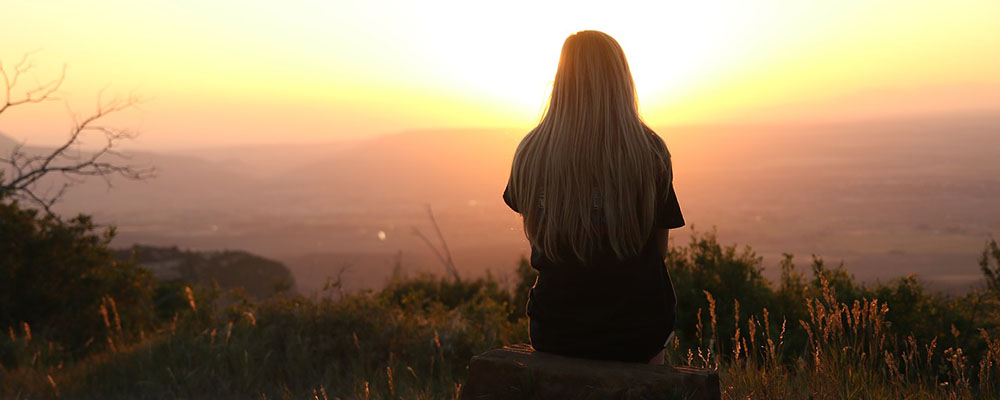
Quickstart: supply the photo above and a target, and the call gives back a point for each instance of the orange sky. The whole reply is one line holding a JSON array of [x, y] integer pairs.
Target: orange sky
[[243, 72]]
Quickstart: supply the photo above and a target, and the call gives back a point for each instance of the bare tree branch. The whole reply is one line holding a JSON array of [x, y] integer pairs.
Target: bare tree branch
[[443, 255], [28, 168], [37, 94]]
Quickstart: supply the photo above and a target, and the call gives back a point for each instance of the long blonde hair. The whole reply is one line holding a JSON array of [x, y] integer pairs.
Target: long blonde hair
[[590, 158]]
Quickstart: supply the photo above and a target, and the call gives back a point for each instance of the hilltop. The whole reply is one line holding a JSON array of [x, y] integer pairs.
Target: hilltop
[[258, 276]]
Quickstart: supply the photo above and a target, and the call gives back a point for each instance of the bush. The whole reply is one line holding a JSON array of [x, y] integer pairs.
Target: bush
[[59, 280], [821, 336], [706, 272]]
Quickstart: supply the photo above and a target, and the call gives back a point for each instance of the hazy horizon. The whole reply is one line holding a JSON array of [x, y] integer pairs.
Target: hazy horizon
[[889, 197], [139, 144]]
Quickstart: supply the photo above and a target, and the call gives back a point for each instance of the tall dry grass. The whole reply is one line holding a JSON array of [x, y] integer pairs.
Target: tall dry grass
[[852, 353]]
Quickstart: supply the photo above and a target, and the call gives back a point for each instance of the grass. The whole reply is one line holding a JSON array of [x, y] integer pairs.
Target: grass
[[819, 339], [363, 346], [851, 354]]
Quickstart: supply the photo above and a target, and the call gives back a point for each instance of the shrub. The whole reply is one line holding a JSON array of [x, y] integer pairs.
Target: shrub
[[59, 280]]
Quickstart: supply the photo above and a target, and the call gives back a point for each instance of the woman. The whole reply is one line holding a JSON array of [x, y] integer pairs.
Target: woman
[[594, 187]]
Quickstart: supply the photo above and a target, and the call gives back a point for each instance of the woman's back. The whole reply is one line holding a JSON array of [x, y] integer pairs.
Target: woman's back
[[605, 308], [594, 186]]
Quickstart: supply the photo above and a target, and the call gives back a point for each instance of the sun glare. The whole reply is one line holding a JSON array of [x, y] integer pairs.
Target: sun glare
[[510, 53], [368, 67]]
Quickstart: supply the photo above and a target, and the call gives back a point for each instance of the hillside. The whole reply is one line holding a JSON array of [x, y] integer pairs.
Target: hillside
[[258, 276]]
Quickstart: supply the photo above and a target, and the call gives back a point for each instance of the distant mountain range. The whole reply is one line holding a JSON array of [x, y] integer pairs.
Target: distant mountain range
[[887, 197]]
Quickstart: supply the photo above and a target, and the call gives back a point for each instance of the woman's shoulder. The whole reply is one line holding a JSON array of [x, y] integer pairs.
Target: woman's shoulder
[[657, 142]]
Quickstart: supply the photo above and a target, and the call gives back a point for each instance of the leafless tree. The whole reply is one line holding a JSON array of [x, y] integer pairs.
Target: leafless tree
[[22, 169]]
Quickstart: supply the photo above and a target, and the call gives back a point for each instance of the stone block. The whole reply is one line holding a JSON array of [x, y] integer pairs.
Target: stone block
[[520, 372]]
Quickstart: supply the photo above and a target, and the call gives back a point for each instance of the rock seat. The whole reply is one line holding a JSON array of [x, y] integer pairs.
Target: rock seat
[[520, 372]]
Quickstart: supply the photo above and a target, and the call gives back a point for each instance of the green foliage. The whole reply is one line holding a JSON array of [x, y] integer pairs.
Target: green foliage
[[59, 280], [821, 336], [428, 291], [705, 272], [365, 345], [842, 282], [170, 298], [727, 274]]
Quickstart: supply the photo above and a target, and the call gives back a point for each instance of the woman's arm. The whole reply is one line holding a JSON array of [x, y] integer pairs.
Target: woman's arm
[[661, 241]]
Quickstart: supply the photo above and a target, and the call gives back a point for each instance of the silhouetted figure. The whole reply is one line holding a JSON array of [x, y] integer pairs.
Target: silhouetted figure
[[594, 186]]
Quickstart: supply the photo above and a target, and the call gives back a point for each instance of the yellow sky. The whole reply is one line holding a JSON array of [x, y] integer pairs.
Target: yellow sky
[[243, 72]]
